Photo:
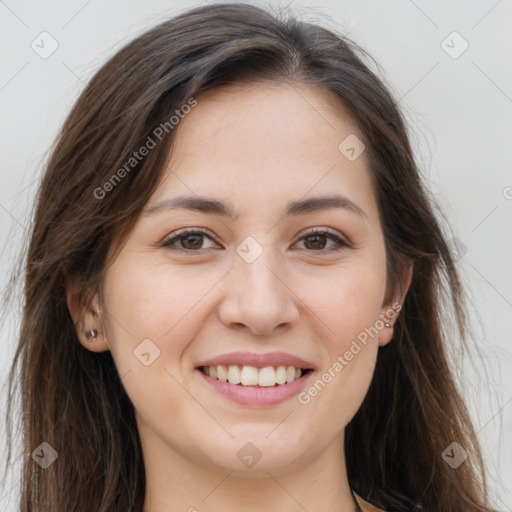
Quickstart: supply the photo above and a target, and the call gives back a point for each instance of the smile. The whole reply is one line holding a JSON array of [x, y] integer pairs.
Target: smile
[[251, 376], [254, 395]]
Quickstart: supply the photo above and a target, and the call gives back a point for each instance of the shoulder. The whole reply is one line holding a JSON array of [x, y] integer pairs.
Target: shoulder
[[365, 506]]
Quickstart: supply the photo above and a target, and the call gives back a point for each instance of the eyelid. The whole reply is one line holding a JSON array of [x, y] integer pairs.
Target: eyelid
[[321, 230]]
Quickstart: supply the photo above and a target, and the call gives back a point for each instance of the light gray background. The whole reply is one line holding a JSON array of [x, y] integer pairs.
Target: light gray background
[[459, 109]]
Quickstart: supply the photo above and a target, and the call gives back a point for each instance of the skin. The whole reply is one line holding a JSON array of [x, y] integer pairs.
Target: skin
[[259, 147]]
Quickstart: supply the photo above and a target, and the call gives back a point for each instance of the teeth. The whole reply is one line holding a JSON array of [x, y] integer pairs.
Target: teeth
[[252, 376], [267, 377], [249, 376], [281, 375], [234, 375], [222, 373]]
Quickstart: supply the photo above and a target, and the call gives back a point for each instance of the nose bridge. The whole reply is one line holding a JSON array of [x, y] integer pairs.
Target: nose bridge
[[259, 277], [257, 267], [257, 296]]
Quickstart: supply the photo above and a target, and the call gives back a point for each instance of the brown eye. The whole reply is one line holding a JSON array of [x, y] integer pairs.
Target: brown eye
[[191, 241], [187, 240], [317, 241]]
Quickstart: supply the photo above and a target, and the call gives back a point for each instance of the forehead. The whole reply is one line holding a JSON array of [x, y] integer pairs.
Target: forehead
[[265, 142], [266, 120]]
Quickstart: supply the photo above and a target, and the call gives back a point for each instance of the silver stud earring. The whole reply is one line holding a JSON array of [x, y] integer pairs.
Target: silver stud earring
[[91, 335]]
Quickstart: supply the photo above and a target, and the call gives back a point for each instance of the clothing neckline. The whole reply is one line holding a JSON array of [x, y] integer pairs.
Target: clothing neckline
[[356, 501], [364, 506]]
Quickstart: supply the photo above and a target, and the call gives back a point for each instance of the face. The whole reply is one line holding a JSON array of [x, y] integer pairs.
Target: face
[[268, 283]]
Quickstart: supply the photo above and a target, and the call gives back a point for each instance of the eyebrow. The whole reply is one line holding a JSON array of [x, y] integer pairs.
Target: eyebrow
[[215, 207]]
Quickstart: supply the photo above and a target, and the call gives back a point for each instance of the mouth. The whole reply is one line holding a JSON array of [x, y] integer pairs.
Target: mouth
[[256, 380], [252, 376]]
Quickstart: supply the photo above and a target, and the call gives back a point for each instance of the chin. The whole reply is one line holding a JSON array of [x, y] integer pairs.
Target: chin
[[257, 451]]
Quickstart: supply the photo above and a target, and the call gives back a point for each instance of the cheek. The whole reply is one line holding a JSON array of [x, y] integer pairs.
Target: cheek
[[338, 389], [347, 299], [150, 322], [144, 300], [348, 305], [155, 302]]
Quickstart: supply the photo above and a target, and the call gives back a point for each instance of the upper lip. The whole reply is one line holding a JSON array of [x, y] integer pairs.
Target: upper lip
[[258, 360]]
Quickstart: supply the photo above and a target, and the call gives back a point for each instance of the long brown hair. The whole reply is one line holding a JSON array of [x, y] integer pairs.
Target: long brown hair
[[74, 400]]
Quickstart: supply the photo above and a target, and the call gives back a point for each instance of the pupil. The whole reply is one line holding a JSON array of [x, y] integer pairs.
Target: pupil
[[317, 237], [188, 237]]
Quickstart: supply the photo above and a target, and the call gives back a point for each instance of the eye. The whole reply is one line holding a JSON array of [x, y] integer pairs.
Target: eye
[[191, 240], [318, 237]]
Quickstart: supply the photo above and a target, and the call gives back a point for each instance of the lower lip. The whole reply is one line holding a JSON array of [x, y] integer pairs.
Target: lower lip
[[255, 395]]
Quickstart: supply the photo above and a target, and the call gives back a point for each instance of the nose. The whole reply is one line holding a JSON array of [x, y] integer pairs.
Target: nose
[[258, 298]]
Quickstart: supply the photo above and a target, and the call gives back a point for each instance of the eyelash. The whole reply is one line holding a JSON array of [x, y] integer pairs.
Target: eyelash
[[169, 243]]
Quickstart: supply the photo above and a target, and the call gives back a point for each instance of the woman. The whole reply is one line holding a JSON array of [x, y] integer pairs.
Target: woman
[[235, 287]]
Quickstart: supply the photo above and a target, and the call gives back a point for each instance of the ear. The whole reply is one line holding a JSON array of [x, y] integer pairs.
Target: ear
[[86, 315], [392, 306]]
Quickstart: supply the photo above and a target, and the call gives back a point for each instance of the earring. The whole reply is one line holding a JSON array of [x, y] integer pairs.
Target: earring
[[91, 335], [387, 324]]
